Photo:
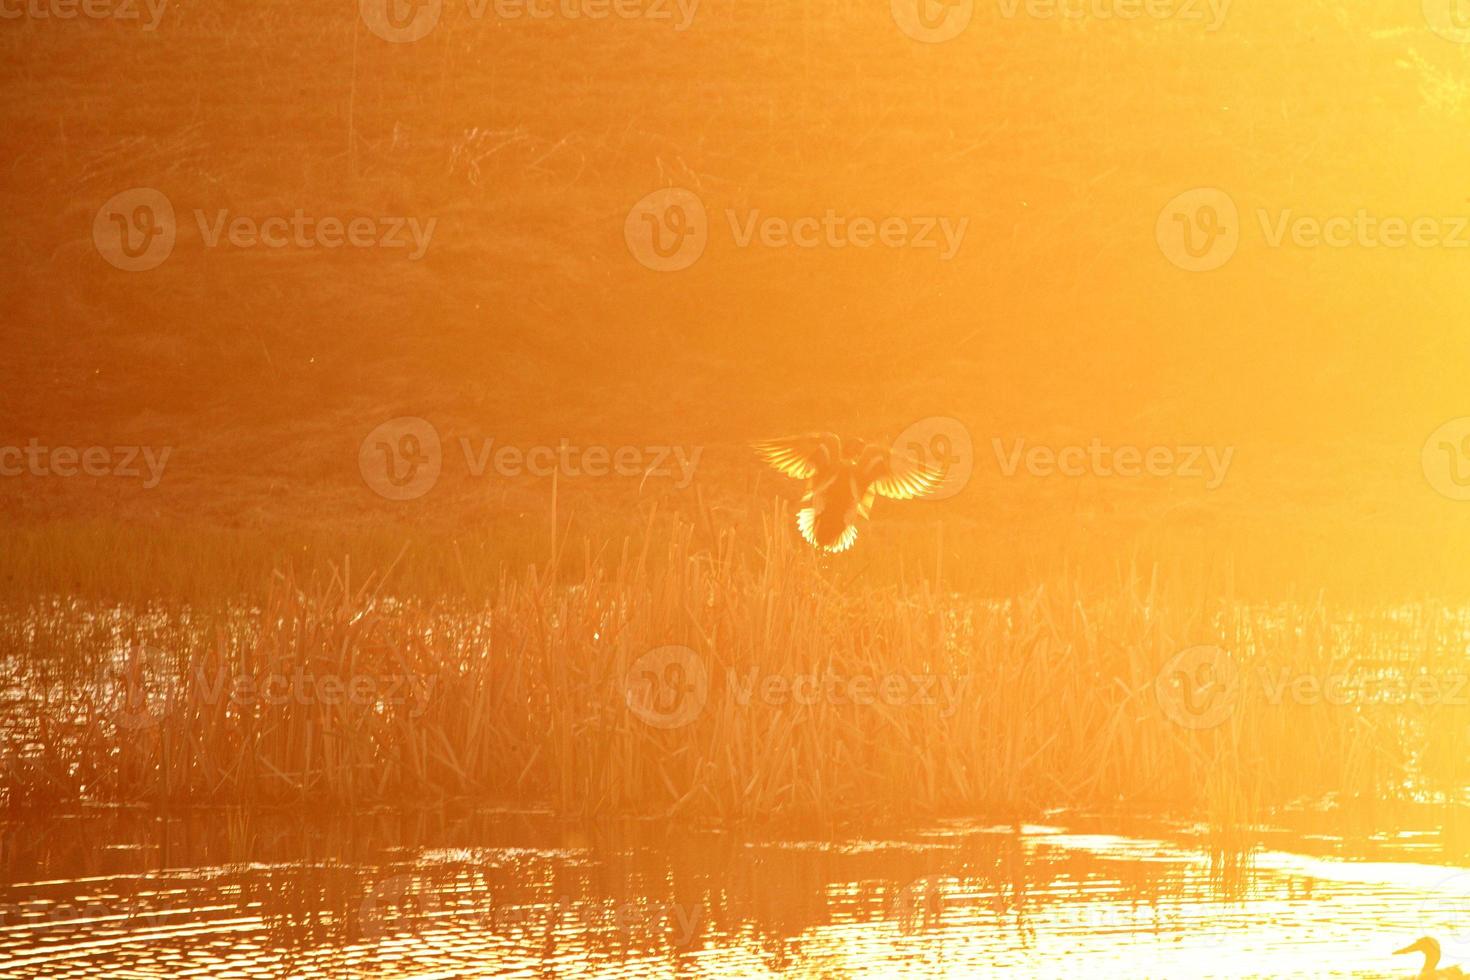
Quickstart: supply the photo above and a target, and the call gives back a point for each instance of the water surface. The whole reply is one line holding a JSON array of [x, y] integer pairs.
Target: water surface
[[495, 894]]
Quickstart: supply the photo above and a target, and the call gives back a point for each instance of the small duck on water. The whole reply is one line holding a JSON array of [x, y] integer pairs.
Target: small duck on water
[[1430, 949]]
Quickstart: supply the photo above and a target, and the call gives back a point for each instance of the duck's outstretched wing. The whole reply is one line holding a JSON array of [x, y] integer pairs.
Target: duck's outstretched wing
[[890, 475], [798, 456]]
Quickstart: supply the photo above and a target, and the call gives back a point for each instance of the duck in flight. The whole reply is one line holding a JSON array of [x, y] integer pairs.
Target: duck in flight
[[844, 476], [1431, 971]]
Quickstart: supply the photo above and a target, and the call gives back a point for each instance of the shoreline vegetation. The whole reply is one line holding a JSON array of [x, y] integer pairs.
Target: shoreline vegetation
[[732, 676]]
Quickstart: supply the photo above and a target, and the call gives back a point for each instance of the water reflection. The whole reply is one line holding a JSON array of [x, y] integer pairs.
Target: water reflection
[[459, 895]]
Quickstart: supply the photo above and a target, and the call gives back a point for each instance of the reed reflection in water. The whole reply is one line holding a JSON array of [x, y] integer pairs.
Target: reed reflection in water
[[223, 894]]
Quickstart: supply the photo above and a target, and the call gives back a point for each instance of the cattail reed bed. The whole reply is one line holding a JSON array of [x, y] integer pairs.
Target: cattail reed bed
[[715, 676]]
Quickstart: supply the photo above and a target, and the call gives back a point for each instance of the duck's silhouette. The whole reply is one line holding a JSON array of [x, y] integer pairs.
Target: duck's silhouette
[[1430, 949], [843, 478]]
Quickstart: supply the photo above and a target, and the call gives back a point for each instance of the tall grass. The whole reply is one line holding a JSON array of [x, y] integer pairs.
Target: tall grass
[[542, 694]]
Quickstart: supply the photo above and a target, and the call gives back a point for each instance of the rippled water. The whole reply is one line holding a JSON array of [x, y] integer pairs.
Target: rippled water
[[222, 894]]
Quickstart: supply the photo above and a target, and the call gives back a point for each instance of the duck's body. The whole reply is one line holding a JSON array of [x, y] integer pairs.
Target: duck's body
[[1432, 969], [843, 477]]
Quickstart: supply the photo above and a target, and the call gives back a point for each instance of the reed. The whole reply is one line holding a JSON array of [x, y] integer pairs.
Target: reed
[[786, 688]]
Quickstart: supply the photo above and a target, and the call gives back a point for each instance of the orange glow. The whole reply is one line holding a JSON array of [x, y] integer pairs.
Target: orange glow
[[1030, 435]]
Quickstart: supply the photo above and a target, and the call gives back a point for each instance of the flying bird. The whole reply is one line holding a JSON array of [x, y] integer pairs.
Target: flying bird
[[843, 478]]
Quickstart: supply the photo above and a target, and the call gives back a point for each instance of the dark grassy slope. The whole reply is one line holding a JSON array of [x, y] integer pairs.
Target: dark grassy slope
[[528, 321]]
